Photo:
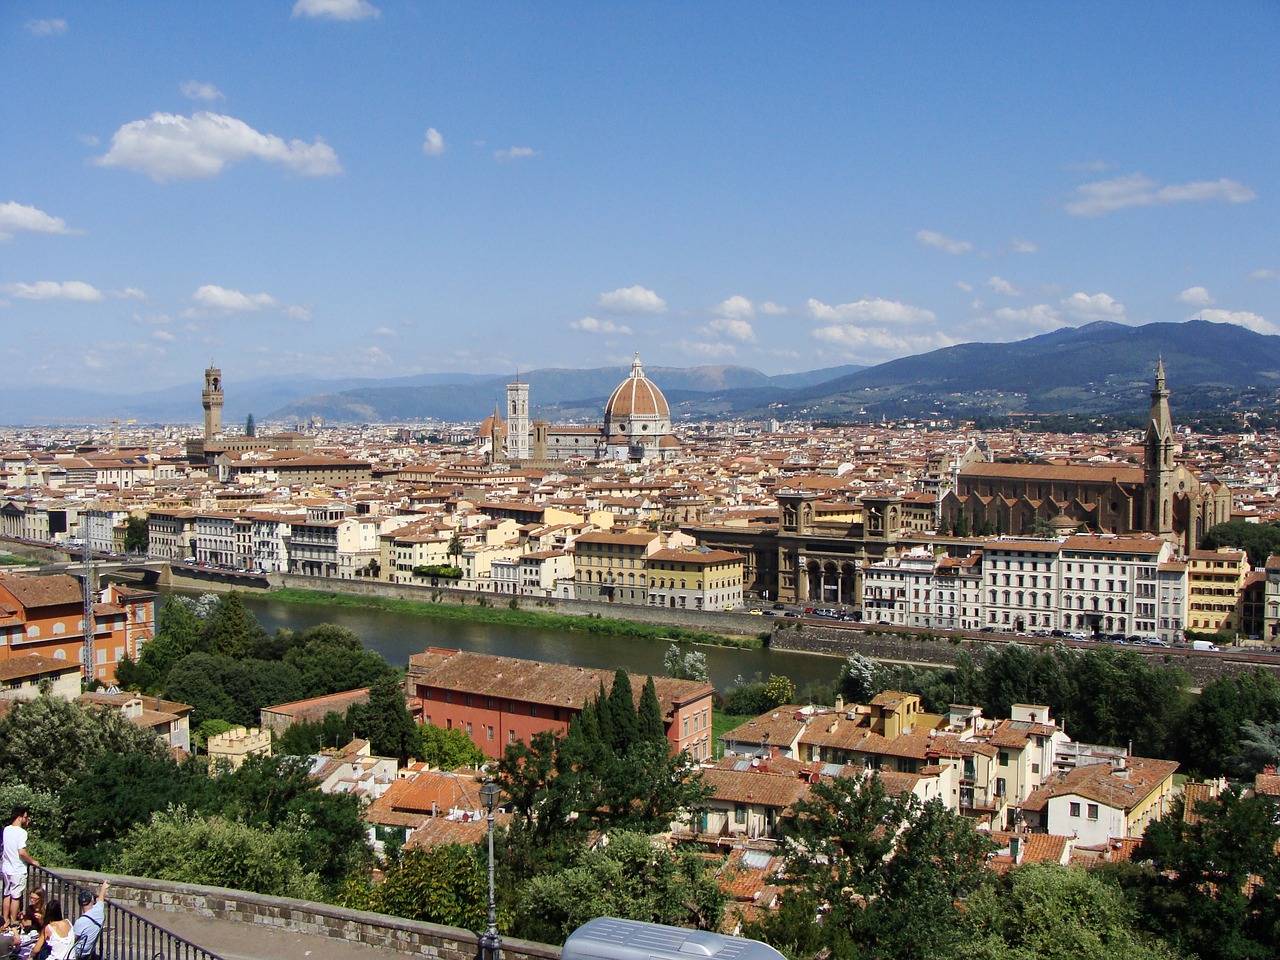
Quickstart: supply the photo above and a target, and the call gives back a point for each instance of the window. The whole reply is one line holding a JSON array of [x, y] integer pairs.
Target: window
[[488, 732], [1093, 811], [739, 814], [1004, 758], [1075, 809]]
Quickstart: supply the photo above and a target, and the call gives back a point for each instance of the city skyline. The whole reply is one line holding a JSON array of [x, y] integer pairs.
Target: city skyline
[[380, 188]]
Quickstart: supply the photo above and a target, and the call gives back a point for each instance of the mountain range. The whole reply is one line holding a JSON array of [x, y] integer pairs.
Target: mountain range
[[1102, 369]]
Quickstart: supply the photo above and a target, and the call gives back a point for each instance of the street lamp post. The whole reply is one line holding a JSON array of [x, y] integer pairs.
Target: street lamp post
[[490, 942]]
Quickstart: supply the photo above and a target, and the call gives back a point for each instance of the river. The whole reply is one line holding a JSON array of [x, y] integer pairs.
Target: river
[[397, 635]]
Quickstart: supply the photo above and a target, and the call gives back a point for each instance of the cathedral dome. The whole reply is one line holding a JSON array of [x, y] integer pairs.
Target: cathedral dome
[[486, 427], [636, 397]]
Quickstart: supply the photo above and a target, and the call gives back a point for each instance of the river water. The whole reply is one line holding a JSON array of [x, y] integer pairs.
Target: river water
[[397, 635]]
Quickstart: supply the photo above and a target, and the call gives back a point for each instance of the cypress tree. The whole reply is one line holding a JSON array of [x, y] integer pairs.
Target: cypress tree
[[622, 711], [650, 726], [604, 717]]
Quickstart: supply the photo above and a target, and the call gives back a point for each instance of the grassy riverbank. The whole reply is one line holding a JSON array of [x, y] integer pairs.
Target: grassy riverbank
[[592, 623]]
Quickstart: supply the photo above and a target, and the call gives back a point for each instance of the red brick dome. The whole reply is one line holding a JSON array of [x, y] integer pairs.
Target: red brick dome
[[636, 397]]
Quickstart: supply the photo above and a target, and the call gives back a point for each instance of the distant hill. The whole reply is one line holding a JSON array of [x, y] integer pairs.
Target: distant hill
[[1102, 369]]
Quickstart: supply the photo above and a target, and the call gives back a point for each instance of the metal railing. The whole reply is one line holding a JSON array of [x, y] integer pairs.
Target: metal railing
[[125, 935]]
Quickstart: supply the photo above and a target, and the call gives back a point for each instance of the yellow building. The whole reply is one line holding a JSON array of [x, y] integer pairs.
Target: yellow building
[[611, 566], [1215, 589], [695, 579], [237, 744]]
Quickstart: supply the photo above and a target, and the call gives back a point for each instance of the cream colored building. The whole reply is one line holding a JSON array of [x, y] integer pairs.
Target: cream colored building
[[238, 743]]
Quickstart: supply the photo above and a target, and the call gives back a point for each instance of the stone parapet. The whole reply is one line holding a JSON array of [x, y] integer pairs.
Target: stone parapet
[[154, 898]]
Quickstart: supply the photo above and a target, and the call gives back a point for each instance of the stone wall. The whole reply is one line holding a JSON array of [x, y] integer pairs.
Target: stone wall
[[897, 647], [712, 621], [154, 898]]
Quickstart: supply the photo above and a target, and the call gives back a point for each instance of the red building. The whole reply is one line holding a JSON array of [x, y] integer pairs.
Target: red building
[[499, 700], [45, 616]]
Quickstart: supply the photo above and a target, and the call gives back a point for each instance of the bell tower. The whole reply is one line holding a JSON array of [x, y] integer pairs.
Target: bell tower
[[1158, 460], [211, 399], [518, 420]]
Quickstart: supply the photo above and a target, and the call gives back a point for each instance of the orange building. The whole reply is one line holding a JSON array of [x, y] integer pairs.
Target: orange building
[[45, 616], [499, 700]]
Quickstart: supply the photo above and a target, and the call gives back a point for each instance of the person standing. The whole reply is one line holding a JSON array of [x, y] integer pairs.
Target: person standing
[[14, 861]]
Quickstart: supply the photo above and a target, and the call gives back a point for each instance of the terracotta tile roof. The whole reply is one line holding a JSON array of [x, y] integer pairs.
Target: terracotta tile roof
[[530, 681], [36, 592], [442, 831], [1122, 473], [753, 786], [315, 708], [1194, 793], [33, 666], [1267, 784], [1120, 790]]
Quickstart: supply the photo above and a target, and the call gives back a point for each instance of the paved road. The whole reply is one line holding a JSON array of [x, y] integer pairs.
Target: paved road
[[234, 940]]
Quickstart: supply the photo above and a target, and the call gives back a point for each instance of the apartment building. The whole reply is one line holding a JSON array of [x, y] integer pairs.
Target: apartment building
[[694, 578], [1215, 585]]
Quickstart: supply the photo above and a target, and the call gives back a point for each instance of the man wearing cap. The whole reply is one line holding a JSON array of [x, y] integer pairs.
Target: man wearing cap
[[88, 928]]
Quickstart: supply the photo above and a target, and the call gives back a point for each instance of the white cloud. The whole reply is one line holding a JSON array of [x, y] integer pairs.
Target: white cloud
[[1137, 190], [53, 290], [336, 9], [164, 336], [514, 153], [771, 309], [169, 146], [220, 298], [433, 143], [735, 328], [46, 28], [195, 90], [1023, 246], [592, 325], [129, 293], [1101, 306], [964, 287], [1196, 297], [1265, 274], [1004, 287], [931, 238], [868, 311], [1241, 318], [737, 307], [635, 299], [880, 342], [709, 351], [384, 332], [1013, 323], [298, 312], [18, 216]]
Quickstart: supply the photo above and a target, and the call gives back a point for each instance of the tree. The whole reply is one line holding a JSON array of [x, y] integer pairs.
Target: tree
[[684, 666], [1050, 912], [331, 659], [385, 721], [1212, 889], [135, 535], [447, 749], [1260, 540], [216, 688], [779, 690], [628, 876], [250, 428], [46, 742], [455, 548], [232, 630], [184, 847], [857, 682], [445, 884], [884, 871], [115, 792]]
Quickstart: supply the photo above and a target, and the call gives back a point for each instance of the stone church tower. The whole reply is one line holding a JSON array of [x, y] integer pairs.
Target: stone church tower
[[518, 420], [1158, 461], [211, 400]]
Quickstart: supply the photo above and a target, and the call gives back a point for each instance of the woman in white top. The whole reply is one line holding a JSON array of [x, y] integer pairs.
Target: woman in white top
[[57, 934]]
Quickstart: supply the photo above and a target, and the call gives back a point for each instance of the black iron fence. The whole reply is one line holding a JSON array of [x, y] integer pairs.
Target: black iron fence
[[125, 934]]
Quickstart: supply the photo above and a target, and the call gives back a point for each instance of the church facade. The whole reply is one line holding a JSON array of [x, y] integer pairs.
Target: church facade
[[1159, 496], [636, 426]]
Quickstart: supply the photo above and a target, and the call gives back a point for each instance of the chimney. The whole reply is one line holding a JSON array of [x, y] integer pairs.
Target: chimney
[[839, 703]]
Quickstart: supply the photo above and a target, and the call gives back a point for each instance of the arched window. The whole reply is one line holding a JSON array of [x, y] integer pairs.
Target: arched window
[[59, 628], [33, 631]]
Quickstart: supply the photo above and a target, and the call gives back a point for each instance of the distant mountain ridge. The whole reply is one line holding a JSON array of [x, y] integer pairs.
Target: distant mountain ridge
[[1100, 369]]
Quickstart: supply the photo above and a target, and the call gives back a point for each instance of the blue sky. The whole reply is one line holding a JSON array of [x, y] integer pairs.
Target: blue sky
[[388, 187]]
